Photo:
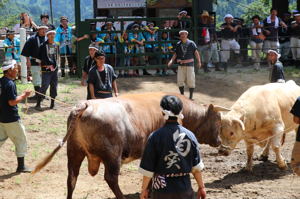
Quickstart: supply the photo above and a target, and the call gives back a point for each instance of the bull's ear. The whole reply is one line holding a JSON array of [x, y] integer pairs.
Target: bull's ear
[[217, 108], [240, 123]]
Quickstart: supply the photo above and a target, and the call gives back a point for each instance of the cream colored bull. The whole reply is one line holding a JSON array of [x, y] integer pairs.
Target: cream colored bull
[[260, 116]]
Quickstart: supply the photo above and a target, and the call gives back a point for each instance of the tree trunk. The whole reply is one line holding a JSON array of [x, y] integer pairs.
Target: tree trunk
[[281, 5]]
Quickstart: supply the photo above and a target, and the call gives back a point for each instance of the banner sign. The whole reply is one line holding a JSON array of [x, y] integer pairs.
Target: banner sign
[[104, 4], [169, 3]]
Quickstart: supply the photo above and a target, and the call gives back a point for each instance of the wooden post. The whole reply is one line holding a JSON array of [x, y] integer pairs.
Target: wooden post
[[298, 4], [281, 5], [77, 25]]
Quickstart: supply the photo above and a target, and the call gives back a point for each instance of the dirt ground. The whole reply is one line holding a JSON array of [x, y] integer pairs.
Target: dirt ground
[[224, 177]]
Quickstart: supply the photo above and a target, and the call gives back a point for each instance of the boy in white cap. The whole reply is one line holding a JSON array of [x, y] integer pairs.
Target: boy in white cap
[[228, 42], [10, 123], [276, 72], [49, 56]]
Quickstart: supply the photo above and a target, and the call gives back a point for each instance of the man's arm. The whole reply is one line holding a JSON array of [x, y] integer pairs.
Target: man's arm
[[92, 91], [172, 60], [197, 55], [115, 88], [19, 98], [84, 78], [145, 184], [201, 188]]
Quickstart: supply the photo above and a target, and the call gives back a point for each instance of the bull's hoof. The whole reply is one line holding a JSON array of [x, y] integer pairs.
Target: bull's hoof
[[283, 166], [263, 158], [248, 169]]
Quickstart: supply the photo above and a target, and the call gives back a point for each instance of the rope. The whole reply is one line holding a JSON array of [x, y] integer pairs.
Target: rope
[[60, 102]]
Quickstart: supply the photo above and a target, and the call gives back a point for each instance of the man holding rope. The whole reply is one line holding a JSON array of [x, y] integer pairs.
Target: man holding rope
[[10, 123], [49, 56]]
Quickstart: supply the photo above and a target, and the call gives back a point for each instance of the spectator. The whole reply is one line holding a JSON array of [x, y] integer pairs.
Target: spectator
[[49, 56], [138, 39], [45, 21], [64, 37], [243, 39], [102, 78], [110, 50], [185, 51], [284, 38], [95, 40], [10, 123], [171, 154], [25, 22], [151, 35], [228, 42], [295, 39], [256, 41], [183, 22], [12, 48], [271, 25], [204, 42], [31, 52], [138, 23], [125, 49], [276, 72], [215, 57], [166, 49], [89, 62]]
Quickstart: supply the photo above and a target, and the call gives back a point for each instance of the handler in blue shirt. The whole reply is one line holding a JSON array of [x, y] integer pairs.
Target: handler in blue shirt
[[10, 123], [295, 162], [171, 154]]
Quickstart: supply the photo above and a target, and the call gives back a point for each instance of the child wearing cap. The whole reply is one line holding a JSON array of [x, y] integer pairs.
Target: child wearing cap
[[295, 162], [276, 72], [166, 48], [151, 35]]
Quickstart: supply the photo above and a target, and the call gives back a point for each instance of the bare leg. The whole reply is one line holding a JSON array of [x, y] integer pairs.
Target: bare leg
[[250, 150], [75, 158]]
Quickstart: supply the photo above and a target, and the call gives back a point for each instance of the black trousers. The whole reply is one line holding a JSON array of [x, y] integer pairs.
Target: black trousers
[[63, 61], [49, 79]]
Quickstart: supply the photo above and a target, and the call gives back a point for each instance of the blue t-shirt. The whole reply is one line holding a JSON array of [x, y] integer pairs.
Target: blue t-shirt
[[171, 150], [8, 90]]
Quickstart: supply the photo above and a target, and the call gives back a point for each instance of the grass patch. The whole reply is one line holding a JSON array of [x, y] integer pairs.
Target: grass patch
[[293, 72]]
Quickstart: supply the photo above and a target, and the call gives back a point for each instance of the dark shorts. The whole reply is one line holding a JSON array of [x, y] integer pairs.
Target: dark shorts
[[182, 195]]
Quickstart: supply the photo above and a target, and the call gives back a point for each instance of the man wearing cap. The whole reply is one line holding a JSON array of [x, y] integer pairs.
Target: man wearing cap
[[276, 72], [183, 23], [89, 62], [271, 26], [185, 51], [171, 154], [295, 39], [10, 123], [31, 52], [228, 42], [102, 79], [49, 56], [45, 21], [64, 38]]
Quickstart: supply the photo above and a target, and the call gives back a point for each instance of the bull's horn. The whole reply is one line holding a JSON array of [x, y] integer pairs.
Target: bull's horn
[[220, 108]]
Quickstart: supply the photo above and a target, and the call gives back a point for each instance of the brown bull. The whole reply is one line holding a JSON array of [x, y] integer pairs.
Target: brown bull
[[114, 131]]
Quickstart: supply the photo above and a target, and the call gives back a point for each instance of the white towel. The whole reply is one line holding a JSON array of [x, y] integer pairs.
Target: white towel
[[256, 31], [276, 21]]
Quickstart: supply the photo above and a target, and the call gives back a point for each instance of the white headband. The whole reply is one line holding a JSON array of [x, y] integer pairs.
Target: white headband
[[183, 31], [51, 31], [93, 47], [171, 114], [183, 12], [228, 16], [12, 65], [40, 27]]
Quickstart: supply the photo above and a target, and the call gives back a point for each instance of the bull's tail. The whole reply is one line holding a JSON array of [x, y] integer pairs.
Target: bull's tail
[[72, 120]]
